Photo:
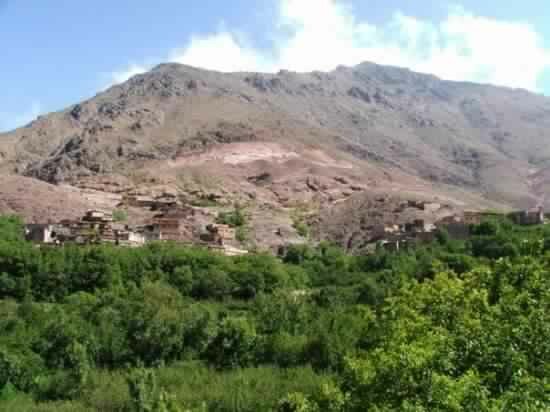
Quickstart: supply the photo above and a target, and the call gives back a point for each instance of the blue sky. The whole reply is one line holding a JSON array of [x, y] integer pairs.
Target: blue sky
[[57, 52]]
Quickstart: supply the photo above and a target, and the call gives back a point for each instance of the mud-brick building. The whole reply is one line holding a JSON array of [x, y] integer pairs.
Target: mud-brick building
[[159, 203], [418, 226], [223, 238], [97, 216], [170, 225], [476, 217], [457, 230], [41, 233], [455, 227], [397, 243], [219, 234], [145, 202], [150, 233], [130, 238], [165, 202], [95, 227], [528, 217]]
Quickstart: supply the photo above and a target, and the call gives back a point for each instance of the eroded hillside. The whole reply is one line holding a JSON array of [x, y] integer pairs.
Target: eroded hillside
[[281, 143]]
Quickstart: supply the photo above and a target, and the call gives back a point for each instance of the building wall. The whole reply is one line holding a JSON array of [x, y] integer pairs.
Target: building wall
[[528, 217], [40, 233], [472, 218], [457, 230]]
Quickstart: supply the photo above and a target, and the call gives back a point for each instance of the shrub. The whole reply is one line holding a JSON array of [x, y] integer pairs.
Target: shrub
[[120, 215], [234, 218], [234, 344]]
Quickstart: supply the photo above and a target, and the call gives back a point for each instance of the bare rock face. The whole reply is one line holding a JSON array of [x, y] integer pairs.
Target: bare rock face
[[295, 138]]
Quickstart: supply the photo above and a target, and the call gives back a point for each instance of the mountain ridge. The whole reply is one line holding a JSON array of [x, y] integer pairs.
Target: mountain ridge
[[376, 127]]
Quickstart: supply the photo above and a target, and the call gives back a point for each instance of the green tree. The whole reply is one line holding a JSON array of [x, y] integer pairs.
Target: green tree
[[144, 391], [297, 402], [11, 229], [234, 345], [120, 215], [234, 218]]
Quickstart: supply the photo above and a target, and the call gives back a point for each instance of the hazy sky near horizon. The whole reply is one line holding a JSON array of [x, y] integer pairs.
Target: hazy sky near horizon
[[55, 53]]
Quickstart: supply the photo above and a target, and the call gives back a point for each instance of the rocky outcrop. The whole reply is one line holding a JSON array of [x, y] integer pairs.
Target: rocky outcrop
[[258, 136]]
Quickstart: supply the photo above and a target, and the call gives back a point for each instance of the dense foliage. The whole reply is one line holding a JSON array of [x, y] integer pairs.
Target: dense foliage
[[453, 326]]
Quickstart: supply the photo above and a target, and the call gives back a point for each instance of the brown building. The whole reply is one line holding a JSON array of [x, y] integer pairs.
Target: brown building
[[476, 217], [150, 233], [219, 234], [41, 233], [139, 201], [170, 224], [98, 216], [455, 227], [130, 238], [163, 202], [457, 230], [528, 217], [419, 226]]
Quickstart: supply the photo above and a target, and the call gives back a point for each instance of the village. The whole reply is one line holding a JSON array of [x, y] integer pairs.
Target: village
[[458, 227], [167, 225], [171, 218]]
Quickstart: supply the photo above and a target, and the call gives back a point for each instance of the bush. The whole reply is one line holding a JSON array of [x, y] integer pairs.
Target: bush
[[11, 229], [296, 402], [234, 218], [120, 215], [234, 344], [242, 234]]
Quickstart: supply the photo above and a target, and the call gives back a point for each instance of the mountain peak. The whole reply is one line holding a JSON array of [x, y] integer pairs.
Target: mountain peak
[[285, 138]]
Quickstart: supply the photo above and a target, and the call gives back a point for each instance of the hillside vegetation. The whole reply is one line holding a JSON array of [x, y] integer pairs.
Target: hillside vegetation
[[452, 326]]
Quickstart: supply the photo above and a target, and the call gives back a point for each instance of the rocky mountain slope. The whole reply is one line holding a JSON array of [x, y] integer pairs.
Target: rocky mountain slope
[[279, 142]]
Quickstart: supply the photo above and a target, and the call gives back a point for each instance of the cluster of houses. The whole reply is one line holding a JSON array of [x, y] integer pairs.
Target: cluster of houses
[[97, 227], [394, 238], [170, 223]]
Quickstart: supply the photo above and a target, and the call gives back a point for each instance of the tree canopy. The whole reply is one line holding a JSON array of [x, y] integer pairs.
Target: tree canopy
[[449, 326]]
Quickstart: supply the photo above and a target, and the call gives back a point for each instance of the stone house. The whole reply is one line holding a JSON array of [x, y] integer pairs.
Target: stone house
[[397, 243], [457, 230], [130, 238], [476, 217], [170, 225], [219, 234], [164, 202], [425, 237], [140, 201], [150, 233], [97, 216], [432, 207], [528, 217], [418, 226], [41, 233]]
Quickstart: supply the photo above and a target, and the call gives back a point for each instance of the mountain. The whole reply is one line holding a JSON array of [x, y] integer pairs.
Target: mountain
[[286, 144]]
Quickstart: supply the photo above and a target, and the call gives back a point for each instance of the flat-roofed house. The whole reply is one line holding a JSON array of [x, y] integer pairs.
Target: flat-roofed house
[[97, 216], [41, 233], [219, 234], [170, 225], [528, 217], [130, 238], [476, 217]]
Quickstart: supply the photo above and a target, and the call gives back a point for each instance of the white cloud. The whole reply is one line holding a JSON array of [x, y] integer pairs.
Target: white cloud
[[130, 71], [222, 51], [10, 121], [322, 34]]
